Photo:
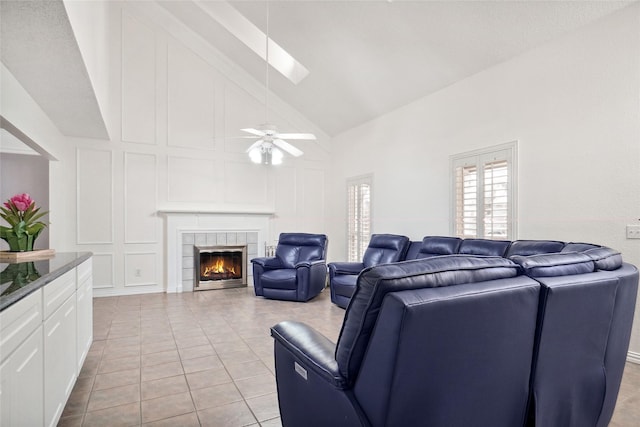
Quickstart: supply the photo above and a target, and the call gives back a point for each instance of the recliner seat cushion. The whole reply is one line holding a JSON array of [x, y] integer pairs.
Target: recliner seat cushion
[[344, 285], [284, 278], [374, 283]]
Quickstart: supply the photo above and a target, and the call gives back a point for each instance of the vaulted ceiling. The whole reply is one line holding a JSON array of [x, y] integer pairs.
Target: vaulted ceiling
[[366, 58]]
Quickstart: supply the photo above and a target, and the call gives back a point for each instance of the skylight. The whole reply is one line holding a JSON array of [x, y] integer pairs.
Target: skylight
[[245, 31]]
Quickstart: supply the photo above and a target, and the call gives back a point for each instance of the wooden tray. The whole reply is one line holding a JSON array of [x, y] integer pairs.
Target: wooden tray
[[11, 257]]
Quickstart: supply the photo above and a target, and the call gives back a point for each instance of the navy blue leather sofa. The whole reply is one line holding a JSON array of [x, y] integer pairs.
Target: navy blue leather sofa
[[537, 336], [298, 272]]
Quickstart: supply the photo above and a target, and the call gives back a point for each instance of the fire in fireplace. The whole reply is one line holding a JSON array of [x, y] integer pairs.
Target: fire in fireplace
[[219, 267]]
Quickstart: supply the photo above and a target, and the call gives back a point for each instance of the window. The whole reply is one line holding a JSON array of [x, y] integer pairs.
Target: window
[[484, 188], [358, 216]]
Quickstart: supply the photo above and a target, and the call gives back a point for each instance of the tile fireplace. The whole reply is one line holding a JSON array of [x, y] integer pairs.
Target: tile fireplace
[[219, 267]]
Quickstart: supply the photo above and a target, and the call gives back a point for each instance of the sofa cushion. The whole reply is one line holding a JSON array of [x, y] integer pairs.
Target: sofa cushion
[[284, 278], [344, 285], [578, 247], [555, 264], [605, 258], [374, 283], [439, 245], [385, 248], [484, 247], [533, 247]]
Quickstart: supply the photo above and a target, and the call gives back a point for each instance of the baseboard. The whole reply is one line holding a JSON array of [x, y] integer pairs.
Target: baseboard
[[633, 357]]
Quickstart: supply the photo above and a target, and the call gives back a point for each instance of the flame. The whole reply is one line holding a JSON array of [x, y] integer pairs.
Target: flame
[[218, 268]]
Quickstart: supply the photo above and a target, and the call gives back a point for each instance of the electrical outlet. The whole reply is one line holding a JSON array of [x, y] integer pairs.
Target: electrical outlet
[[633, 231], [138, 272]]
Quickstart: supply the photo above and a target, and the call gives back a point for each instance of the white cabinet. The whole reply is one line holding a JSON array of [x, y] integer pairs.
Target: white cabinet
[[60, 363], [84, 306], [21, 363], [44, 340]]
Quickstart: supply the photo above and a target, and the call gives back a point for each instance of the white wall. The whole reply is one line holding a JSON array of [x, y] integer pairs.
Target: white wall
[[90, 23], [572, 104], [175, 119]]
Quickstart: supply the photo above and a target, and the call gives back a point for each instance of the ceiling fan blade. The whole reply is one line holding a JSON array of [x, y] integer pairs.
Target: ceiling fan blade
[[287, 147], [296, 136], [255, 145], [254, 131]]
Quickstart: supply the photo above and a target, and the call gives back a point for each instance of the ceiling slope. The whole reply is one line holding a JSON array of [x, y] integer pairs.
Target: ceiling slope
[[38, 47]]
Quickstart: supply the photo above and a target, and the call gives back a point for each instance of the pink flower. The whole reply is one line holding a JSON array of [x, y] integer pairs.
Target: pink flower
[[21, 201]]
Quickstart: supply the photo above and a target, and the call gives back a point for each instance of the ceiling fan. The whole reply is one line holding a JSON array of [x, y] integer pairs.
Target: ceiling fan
[[267, 149], [264, 149]]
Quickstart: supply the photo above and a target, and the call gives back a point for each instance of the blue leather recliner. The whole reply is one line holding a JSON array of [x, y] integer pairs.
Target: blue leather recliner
[[382, 249], [535, 340], [298, 272]]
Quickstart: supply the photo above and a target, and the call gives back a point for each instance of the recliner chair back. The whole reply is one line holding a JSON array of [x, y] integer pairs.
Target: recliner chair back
[[293, 248], [385, 248]]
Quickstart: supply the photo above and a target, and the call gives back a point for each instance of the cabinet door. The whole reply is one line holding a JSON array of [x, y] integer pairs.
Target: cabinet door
[[60, 359], [21, 383], [84, 299]]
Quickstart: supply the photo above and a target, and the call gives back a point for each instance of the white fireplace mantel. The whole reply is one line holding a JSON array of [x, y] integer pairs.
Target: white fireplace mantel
[[181, 221]]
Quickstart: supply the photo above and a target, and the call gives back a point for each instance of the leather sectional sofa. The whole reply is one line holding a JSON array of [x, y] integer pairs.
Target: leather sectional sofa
[[469, 332]]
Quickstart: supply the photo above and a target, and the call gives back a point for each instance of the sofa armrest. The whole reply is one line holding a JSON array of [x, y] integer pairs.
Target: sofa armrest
[[311, 347], [267, 262], [346, 267], [310, 263]]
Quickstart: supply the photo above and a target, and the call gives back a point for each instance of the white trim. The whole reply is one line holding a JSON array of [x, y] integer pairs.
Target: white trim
[[633, 357]]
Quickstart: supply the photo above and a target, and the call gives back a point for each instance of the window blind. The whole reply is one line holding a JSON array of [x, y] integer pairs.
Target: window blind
[[358, 217], [483, 199]]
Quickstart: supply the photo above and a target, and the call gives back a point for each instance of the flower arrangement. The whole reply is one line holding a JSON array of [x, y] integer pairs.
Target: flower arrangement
[[23, 216]]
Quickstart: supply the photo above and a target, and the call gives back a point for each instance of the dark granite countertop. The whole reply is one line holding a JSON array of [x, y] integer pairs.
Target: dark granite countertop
[[17, 280]]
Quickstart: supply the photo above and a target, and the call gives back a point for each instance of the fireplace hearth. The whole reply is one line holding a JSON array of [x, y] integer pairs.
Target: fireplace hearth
[[219, 267]]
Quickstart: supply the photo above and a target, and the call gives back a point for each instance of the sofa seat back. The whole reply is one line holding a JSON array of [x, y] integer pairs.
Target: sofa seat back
[[297, 247], [533, 247], [433, 246], [375, 283], [385, 248], [484, 247], [451, 356], [584, 326]]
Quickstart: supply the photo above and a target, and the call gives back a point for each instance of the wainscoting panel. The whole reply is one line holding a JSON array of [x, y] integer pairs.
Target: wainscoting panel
[[138, 81], [140, 269], [191, 99], [241, 111], [140, 189], [94, 196], [313, 197], [245, 183], [102, 270], [192, 180], [285, 195]]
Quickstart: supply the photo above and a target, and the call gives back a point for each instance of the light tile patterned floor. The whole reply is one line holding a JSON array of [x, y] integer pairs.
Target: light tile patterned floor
[[206, 359]]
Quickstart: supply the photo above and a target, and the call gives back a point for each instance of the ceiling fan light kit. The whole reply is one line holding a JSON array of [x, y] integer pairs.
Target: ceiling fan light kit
[[269, 147]]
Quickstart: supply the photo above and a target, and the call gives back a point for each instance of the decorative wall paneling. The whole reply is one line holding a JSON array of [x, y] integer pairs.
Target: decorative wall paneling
[[103, 271], [94, 196], [138, 81], [141, 269], [140, 198]]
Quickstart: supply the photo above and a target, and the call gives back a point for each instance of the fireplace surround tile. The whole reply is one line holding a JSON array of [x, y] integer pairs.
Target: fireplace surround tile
[[189, 240]]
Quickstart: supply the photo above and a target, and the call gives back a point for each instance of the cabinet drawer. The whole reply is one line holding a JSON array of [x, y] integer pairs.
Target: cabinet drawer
[[57, 292], [19, 321]]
